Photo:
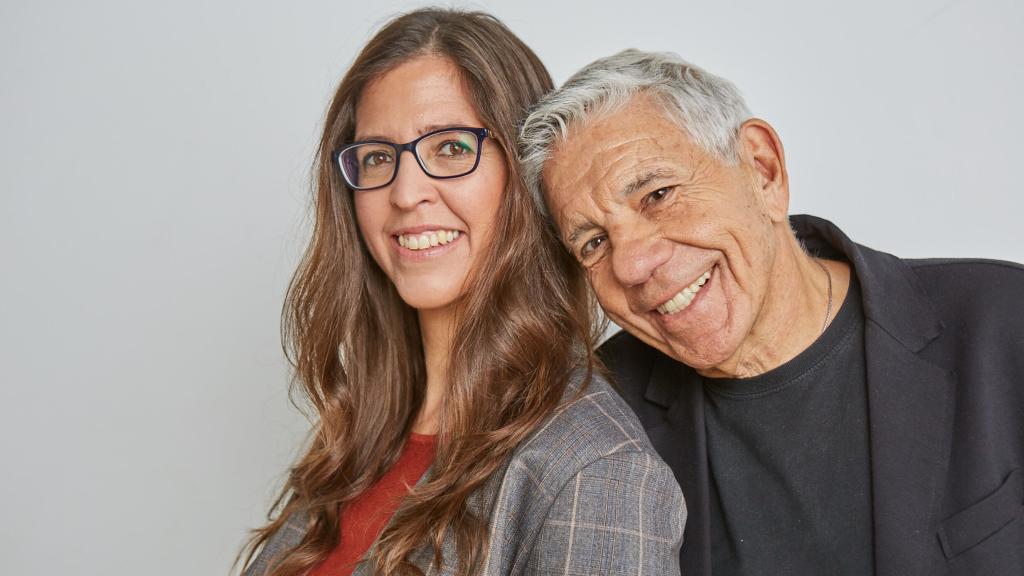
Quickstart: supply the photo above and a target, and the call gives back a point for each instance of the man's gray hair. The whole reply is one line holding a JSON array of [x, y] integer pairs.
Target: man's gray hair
[[707, 108]]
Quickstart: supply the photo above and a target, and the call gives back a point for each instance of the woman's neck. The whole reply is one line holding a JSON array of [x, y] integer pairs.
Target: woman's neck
[[435, 331]]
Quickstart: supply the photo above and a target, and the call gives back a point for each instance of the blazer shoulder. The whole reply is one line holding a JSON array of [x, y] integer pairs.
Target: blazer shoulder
[[593, 422], [636, 527], [972, 292], [591, 450], [954, 267], [286, 538]]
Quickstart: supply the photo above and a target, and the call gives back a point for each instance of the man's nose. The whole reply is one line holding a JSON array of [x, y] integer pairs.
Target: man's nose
[[637, 254], [411, 185]]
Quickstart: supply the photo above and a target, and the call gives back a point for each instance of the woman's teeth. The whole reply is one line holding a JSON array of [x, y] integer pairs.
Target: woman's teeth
[[680, 301], [425, 240]]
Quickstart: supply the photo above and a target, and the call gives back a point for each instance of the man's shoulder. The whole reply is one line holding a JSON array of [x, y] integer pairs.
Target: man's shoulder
[[966, 269], [623, 345], [629, 360], [633, 364], [962, 289]]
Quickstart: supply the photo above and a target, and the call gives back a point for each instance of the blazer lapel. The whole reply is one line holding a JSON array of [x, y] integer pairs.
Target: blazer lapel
[[910, 400], [910, 408], [910, 412], [680, 441]]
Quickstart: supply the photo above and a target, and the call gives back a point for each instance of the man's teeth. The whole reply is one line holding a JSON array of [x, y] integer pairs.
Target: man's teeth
[[425, 240], [682, 300]]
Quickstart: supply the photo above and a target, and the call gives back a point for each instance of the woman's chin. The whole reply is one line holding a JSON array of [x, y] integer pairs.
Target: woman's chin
[[424, 302]]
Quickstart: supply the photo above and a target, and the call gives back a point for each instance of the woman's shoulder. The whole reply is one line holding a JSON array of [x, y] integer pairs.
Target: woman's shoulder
[[592, 422], [287, 537], [588, 475]]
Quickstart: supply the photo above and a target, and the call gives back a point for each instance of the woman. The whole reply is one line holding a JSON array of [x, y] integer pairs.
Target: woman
[[434, 324]]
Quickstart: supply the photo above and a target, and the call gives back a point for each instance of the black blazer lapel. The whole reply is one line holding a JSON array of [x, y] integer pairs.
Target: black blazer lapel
[[910, 411], [910, 400], [680, 441]]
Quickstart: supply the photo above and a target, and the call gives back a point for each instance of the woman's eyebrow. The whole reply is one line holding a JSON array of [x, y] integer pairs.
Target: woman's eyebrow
[[423, 130]]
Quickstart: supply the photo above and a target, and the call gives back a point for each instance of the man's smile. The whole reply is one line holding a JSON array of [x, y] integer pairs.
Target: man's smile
[[684, 297]]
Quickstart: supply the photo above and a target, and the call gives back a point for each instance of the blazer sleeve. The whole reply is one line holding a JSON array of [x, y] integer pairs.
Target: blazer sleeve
[[286, 538], [621, 514]]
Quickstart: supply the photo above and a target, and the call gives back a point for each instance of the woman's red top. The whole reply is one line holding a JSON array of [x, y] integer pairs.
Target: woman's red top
[[363, 519]]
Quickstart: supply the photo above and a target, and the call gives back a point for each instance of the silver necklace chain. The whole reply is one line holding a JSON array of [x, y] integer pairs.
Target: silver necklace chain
[[828, 311]]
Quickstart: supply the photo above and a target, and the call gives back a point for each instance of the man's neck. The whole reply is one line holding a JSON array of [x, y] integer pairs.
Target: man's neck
[[793, 313]]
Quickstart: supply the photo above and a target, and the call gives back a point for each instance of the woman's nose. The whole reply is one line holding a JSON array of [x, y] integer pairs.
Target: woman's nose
[[411, 185]]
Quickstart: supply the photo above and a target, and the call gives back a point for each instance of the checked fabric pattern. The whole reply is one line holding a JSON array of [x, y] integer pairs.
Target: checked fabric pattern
[[585, 494]]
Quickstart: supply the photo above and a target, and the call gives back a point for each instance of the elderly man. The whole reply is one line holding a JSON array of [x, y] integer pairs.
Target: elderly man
[[827, 408]]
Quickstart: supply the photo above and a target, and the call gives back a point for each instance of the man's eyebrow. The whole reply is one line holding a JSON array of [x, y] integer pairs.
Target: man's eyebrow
[[635, 185], [579, 230], [643, 181]]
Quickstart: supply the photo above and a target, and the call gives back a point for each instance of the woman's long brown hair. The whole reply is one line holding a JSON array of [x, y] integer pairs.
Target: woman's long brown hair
[[523, 325]]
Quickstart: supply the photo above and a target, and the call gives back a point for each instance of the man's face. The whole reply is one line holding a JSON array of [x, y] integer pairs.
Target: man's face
[[677, 245]]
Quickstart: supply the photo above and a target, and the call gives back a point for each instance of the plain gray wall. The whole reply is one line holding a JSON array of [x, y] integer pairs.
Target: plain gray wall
[[154, 165]]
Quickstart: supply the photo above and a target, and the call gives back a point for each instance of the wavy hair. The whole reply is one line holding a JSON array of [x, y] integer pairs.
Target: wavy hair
[[525, 323]]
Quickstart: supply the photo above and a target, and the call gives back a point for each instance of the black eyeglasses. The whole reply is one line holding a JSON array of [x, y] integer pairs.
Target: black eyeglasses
[[442, 154]]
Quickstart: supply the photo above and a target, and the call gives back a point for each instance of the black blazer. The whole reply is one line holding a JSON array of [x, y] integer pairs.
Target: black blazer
[[944, 346]]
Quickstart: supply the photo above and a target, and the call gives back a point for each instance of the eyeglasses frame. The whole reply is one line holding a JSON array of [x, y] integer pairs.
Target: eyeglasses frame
[[481, 134]]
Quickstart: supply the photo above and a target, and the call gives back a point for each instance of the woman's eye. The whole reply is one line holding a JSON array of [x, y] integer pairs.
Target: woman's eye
[[376, 159], [454, 148], [591, 245]]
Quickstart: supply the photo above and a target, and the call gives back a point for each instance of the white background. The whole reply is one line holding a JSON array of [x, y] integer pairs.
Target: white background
[[154, 178]]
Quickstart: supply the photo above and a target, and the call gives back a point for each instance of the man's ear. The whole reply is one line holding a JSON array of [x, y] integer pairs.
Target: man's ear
[[760, 148]]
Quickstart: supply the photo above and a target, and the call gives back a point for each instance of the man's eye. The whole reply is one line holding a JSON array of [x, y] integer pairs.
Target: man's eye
[[656, 196], [591, 245]]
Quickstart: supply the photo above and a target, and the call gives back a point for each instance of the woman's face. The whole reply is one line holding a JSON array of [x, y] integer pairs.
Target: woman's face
[[421, 96]]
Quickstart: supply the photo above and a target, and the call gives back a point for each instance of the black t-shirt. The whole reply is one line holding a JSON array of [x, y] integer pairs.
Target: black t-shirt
[[789, 461]]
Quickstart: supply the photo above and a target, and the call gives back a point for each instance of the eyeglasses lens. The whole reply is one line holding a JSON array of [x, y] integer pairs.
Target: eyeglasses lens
[[445, 154]]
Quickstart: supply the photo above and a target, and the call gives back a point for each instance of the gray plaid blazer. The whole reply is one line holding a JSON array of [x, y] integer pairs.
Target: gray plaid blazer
[[584, 494]]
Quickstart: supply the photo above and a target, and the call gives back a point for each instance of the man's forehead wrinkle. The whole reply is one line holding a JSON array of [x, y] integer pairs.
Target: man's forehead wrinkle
[[619, 165], [638, 158], [567, 183], [567, 159], [571, 221], [702, 168], [589, 169]]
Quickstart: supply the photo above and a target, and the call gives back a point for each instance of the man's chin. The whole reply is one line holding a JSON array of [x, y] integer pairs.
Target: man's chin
[[705, 362], [706, 353]]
